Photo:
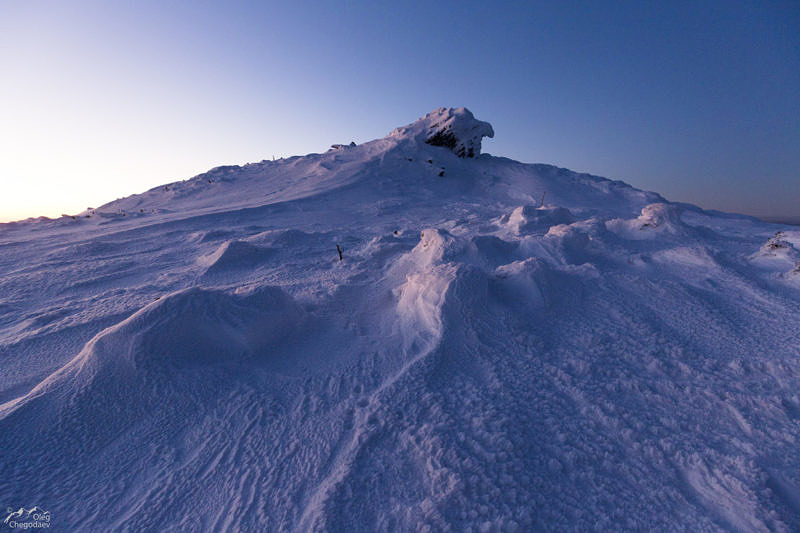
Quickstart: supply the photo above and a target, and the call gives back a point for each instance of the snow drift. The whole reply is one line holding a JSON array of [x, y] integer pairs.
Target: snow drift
[[198, 356]]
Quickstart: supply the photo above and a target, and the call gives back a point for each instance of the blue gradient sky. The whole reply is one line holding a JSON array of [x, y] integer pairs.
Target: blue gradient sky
[[103, 99]]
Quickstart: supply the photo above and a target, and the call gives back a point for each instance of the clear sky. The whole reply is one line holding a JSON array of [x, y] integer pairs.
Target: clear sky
[[699, 101]]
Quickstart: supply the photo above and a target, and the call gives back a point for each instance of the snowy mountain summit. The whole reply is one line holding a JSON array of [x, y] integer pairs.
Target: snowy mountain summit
[[401, 335], [455, 129]]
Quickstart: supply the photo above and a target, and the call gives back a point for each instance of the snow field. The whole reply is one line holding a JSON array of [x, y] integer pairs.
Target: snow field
[[476, 362]]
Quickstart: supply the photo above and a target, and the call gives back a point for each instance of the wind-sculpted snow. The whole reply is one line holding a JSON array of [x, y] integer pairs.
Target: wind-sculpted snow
[[235, 255], [192, 330], [528, 219], [780, 256], [504, 347], [655, 220]]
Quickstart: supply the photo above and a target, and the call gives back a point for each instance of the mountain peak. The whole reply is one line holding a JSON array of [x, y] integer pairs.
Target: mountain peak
[[453, 128]]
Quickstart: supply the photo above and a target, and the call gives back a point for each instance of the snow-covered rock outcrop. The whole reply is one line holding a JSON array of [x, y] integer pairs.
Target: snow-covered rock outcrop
[[453, 128]]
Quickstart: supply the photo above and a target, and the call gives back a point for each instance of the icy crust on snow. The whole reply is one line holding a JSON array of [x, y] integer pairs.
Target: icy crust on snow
[[456, 129], [505, 347]]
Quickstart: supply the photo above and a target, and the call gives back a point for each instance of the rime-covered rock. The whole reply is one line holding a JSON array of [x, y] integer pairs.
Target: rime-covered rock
[[454, 128]]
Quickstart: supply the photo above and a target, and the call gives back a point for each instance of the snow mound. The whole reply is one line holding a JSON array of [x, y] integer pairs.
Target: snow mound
[[232, 255], [523, 283], [528, 218], [779, 254], [656, 219], [438, 246], [435, 246], [198, 326], [155, 376], [660, 216], [190, 328], [578, 243], [454, 128]]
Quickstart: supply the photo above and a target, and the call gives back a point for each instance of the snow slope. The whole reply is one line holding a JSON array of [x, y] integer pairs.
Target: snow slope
[[196, 357]]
